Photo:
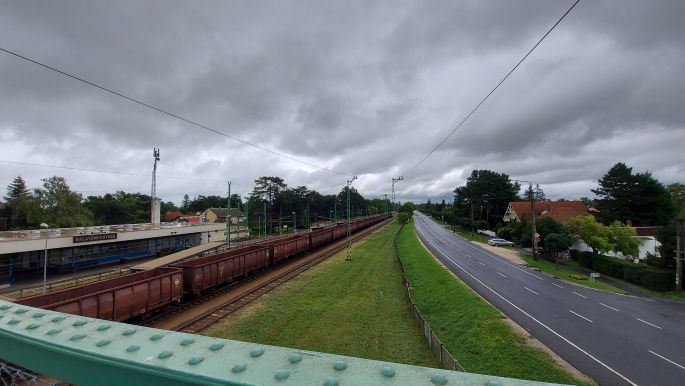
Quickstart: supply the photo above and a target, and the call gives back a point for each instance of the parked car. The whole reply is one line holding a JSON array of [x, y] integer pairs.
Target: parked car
[[500, 243]]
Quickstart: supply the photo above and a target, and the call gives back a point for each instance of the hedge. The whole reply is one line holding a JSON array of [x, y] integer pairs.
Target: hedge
[[651, 278]]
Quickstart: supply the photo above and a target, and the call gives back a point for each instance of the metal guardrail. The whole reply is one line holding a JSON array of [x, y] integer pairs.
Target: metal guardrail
[[65, 283], [87, 351], [446, 359]]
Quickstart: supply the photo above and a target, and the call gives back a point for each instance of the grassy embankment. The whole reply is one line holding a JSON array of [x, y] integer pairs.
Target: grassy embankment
[[356, 308], [471, 329]]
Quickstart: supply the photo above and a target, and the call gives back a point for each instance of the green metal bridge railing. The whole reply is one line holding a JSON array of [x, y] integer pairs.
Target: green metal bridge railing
[[87, 351]]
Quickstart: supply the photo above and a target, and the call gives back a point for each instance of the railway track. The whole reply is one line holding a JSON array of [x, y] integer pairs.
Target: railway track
[[241, 298]]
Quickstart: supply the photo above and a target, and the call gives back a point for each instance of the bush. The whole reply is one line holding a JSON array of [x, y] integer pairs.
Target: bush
[[403, 217], [504, 233], [480, 224], [578, 276], [651, 278]]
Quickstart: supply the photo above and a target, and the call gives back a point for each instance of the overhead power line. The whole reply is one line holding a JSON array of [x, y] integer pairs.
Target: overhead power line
[[494, 89], [106, 171], [166, 112]]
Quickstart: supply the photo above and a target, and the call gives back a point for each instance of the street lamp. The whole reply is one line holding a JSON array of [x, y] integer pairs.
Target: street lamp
[[294, 222], [532, 217], [349, 241], [45, 261]]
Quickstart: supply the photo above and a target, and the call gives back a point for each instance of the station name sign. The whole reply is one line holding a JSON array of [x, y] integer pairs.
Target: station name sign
[[94, 237]]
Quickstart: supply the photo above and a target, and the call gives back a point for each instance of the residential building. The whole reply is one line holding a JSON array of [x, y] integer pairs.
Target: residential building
[[214, 215], [560, 211]]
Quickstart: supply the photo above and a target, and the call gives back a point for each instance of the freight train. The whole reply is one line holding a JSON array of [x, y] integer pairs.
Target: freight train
[[140, 293]]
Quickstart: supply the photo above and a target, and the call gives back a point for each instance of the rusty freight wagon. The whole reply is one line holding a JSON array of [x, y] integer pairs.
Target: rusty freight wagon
[[116, 299], [205, 272], [321, 236], [283, 248]]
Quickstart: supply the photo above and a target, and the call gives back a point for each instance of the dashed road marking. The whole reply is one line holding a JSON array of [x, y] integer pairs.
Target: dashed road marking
[[557, 285], [580, 316], [609, 307], [501, 274], [531, 290], [582, 296], [666, 359], [651, 324], [481, 263]]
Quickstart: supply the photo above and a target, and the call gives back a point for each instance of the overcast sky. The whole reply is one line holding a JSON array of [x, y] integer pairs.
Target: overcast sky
[[362, 87]]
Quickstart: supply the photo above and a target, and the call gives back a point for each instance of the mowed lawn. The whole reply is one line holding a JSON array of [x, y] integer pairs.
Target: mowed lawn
[[356, 308], [470, 328]]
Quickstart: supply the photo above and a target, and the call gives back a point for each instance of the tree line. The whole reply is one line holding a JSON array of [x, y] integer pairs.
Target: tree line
[[271, 199]]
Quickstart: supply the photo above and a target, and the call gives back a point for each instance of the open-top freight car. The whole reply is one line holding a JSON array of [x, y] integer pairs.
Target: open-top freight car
[[206, 272], [286, 247], [116, 299]]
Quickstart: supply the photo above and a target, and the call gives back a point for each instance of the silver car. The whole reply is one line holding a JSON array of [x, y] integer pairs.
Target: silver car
[[500, 243]]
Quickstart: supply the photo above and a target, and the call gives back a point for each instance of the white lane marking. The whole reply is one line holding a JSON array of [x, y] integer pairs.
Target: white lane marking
[[531, 290], [579, 315], [467, 255], [666, 359], [646, 322], [557, 285], [481, 263], [609, 307], [533, 318], [582, 296], [501, 274]]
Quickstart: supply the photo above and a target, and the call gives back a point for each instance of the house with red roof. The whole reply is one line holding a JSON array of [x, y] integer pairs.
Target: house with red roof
[[560, 211]]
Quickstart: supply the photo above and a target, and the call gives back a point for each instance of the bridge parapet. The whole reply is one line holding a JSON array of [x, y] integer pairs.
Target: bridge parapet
[[87, 351]]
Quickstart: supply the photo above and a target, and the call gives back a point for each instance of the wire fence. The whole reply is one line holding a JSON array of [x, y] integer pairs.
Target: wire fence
[[11, 375], [446, 359]]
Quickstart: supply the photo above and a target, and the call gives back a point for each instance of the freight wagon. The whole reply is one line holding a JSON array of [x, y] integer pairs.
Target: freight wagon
[[116, 299], [283, 248], [205, 272]]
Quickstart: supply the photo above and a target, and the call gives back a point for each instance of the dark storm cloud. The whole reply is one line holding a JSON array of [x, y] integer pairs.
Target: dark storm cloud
[[361, 87]]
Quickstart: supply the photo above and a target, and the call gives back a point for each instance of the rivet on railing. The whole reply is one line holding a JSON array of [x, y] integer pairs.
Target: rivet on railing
[[128, 331], [13, 321], [330, 381], [103, 342], [216, 346], [340, 365], [295, 357], [77, 336], [195, 360], [32, 326], [281, 374], [156, 336], [103, 327], [21, 311], [133, 348], [238, 367], [256, 352], [388, 371], [187, 341], [165, 354], [54, 331], [57, 319], [38, 315], [439, 379], [79, 323]]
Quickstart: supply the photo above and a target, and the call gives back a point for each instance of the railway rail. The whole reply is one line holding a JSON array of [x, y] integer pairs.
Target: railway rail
[[244, 292]]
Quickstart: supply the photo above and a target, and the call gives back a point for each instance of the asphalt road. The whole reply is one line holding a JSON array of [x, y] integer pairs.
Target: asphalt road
[[614, 339]]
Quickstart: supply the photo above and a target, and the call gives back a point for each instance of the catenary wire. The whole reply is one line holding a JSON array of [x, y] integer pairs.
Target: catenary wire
[[166, 112], [106, 171], [493, 90]]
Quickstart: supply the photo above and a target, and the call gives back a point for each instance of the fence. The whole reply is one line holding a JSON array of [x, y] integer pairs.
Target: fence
[[446, 359]]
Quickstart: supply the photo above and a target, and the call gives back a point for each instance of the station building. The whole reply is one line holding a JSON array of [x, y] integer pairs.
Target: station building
[[70, 249]]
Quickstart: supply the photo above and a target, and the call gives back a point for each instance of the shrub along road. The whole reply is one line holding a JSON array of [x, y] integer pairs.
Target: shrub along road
[[613, 338]]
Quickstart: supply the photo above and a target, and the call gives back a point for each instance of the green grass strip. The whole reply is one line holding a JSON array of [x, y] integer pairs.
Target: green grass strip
[[561, 272], [357, 308], [471, 329]]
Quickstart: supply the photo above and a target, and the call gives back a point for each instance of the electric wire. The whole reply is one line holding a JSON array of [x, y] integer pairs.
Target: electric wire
[[107, 171], [493, 90], [168, 113]]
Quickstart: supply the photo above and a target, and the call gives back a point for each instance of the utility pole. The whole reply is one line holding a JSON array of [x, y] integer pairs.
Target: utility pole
[[247, 217], [228, 217], [265, 219], [532, 218], [335, 209], [385, 214], [308, 223], [394, 180], [680, 250], [154, 204], [349, 240], [294, 223]]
